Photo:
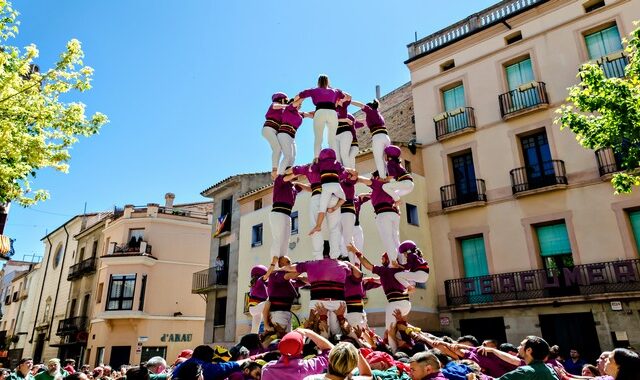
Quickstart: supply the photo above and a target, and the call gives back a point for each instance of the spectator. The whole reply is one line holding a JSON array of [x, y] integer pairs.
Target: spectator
[[137, 373], [574, 364], [4, 373], [69, 366], [53, 371], [190, 370], [23, 372], [291, 365], [343, 359], [156, 366], [469, 340], [425, 365], [534, 351], [250, 371], [623, 364], [77, 376], [590, 370], [203, 356]]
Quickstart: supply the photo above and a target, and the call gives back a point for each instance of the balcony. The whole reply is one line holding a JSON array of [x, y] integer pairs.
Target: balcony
[[526, 98], [550, 174], [140, 248], [484, 19], [82, 269], [455, 122], [607, 161], [588, 280], [453, 195], [70, 326], [614, 64], [209, 279]]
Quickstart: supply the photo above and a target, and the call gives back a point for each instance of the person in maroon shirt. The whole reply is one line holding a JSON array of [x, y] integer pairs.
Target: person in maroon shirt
[[416, 268], [285, 192], [324, 98], [379, 135], [403, 182], [270, 128], [257, 296], [282, 290], [291, 120]]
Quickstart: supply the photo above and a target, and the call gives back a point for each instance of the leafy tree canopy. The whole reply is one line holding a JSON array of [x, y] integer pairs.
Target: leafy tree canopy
[[36, 127]]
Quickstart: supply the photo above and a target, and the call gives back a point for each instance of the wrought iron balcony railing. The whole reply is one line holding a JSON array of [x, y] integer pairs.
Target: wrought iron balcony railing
[[82, 268], [614, 64], [454, 194], [452, 122], [71, 326], [208, 279], [528, 96], [607, 161], [548, 173], [585, 279]]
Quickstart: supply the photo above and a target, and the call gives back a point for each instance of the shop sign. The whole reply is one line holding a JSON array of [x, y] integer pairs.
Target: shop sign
[[616, 305], [176, 337]]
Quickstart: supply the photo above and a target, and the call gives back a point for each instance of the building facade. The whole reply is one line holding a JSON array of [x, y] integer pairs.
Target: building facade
[[218, 284], [141, 307], [528, 234]]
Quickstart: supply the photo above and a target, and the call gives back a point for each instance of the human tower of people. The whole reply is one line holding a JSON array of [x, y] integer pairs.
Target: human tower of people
[[335, 277]]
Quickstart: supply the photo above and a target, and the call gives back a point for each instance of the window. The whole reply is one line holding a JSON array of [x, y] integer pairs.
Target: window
[[257, 204], [592, 5], [57, 258], [634, 218], [453, 98], [448, 65], [295, 223], [474, 261], [99, 357], [256, 235], [121, 289], [603, 42], [540, 171], [412, 215], [220, 312], [149, 352], [464, 177], [519, 73], [100, 290], [555, 248], [143, 290], [94, 248], [225, 210], [136, 236], [106, 246], [514, 37], [81, 256]]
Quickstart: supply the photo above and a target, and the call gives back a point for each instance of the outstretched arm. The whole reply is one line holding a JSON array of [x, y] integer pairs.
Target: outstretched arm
[[365, 180], [363, 260], [357, 104], [322, 343]]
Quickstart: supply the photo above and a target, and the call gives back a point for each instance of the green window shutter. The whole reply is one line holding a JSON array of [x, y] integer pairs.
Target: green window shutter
[[553, 240], [519, 73], [474, 257], [634, 218], [453, 98], [603, 42]]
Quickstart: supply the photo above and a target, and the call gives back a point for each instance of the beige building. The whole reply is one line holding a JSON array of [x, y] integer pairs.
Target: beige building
[[528, 235], [142, 307]]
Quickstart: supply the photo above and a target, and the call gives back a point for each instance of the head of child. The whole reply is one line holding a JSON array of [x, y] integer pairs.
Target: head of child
[[280, 97], [392, 153], [283, 261], [374, 104], [323, 81]]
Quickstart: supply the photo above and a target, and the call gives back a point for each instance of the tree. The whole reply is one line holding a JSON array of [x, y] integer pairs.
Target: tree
[[605, 113], [36, 127]]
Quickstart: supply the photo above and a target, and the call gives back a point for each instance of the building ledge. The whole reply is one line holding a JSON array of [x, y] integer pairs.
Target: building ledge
[[129, 259], [525, 111], [459, 132], [464, 206], [545, 189]]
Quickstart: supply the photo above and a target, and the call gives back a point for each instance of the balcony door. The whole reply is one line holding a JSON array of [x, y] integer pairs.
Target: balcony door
[[555, 250], [464, 177], [537, 160], [518, 74], [454, 99], [602, 43], [474, 260]]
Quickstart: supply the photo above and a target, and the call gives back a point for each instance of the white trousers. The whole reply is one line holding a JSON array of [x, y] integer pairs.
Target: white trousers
[[404, 306], [331, 306], [329, 190], [378, 143], [353, 152], [282, 318], [332, 225], [358, 237], [407, 278], [321, 118], [280, 233], [357, 319], [271, 135], [344, 140], [256, 316], [388, 224], [288, 146], [397, 189], [347, 222]]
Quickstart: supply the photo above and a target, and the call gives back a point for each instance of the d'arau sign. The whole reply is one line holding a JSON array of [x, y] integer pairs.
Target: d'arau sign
[[176, 337]]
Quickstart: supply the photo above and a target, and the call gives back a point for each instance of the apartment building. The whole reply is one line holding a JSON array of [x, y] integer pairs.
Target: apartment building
[[139, 305], [528, 235], [218, 285]]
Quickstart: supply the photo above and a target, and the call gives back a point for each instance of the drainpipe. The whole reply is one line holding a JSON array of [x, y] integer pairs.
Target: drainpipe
[[61, 265], [44, 277]]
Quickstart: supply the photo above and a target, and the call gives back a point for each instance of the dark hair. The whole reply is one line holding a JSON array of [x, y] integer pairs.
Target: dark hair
[[250, 365], [469, 338], [594, 370], [5, 371], [273, 355], [237, 351], [448, 339], [138, 373], [188, 371], [251, 341], [539, 347], [508, 347], [323, 81], [74, 376], [24, 360], [203, 352], [374, 104], [442, 357], [375, 174], [554, 351], [628, 364]]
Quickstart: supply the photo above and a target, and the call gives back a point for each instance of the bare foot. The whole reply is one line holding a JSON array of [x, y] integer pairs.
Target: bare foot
[[411, 289]]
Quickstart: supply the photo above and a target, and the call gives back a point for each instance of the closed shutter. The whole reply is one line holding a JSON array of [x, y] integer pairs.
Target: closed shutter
[[603, 42], [553, 240], [474, 257]]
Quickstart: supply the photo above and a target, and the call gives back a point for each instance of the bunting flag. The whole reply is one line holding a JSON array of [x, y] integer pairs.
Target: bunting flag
[[220, 224]]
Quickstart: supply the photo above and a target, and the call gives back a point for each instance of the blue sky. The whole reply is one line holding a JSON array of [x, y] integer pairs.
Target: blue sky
[[186, 85]]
